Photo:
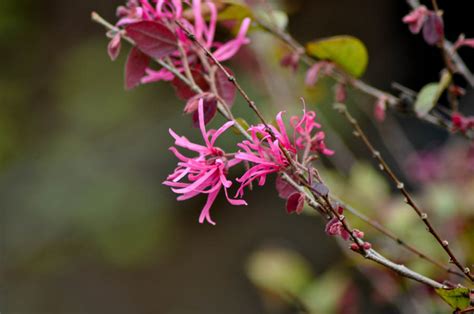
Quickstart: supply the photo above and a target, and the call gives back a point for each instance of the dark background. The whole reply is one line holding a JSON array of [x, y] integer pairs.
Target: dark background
[[87, 227]]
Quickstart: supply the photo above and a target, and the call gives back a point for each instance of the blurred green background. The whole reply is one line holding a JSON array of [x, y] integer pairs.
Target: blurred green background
[[87, 227]]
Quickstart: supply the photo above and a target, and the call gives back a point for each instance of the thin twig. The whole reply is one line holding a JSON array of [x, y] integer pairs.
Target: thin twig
[[358, 132], [191, 84], [369, 254], [393, 101], [379, 227]]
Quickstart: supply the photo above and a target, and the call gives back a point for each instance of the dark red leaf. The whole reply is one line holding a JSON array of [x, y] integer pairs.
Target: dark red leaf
[[183, 91], [295, 203], [152, 38], [225, 88], [114, 47], [284, 188], [433, 29], [137, 62], [209, 106]]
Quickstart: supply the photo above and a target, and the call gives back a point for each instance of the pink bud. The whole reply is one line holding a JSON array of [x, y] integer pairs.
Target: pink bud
[[367, 246], [358, 234], [416, 18], [380, 107], [341, 93]]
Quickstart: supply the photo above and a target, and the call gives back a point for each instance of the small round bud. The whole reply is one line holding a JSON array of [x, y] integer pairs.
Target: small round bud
[[400, 185], [445, 243]]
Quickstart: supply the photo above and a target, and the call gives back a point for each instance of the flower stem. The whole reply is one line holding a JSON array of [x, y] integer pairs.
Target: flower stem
[[358, 132]]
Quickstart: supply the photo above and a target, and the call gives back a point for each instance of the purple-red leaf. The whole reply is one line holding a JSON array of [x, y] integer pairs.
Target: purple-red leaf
[[209, 106], [114, 47], [152, 38], [183, 91], [433, 29], [283, 188], [225, 88], [295, 203], [137, 62], [321, 189]]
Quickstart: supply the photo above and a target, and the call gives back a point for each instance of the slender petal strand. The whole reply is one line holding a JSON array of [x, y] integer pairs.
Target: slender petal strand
[[267, 151], [202, 23], [204, 174]]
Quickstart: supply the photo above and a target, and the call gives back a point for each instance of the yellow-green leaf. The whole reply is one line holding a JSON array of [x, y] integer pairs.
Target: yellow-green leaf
[[242, 123], [444, 82], [234, 10], [426, 99], [457, 298], [346, 51]]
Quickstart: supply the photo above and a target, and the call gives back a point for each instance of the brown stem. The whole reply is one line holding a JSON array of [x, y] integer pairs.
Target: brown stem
[[369, 254], [358, 132], [230, 77], [379, 227], [312, 199], [392, 100]]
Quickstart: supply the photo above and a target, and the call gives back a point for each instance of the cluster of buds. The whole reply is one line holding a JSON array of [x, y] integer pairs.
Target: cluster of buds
[[335, 227]]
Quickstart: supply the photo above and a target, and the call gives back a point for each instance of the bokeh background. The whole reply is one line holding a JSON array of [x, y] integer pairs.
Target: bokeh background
[[87, 227]]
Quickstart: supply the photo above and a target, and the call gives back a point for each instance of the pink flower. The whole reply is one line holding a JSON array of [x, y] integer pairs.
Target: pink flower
[[416, 18], [205, 173], [167, 12], [267, 151], [306, 133], [264, 153], [380, 107], [313, 73]]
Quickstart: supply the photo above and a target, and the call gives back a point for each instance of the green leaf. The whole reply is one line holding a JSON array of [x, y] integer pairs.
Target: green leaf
[[457, 298], [279, 270], [346, 51], [244, 124], [234, 11], [444, 82], [426, 99], [277, 18]]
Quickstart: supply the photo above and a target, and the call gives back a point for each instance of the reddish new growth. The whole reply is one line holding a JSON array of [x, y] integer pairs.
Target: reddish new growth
[[461, 123], [335, 227], [152, 25], [429, 21]]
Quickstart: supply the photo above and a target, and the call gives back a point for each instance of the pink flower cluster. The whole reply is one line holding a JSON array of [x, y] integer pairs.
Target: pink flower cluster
[[265, 153], [198, 16], [205, 173]]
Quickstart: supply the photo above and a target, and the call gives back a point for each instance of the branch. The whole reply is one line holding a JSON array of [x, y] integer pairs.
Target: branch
[[370, 254], [221, 106], [379, 227], [358, 132], [313, 200], [393, 101]]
